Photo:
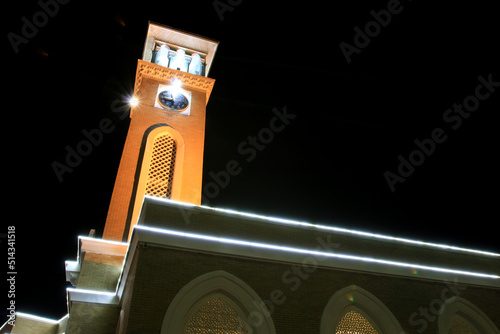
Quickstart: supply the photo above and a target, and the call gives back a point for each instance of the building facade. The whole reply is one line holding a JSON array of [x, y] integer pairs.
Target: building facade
[[166, 264]]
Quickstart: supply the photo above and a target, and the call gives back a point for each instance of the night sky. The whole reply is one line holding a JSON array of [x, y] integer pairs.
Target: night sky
[[421, 85]]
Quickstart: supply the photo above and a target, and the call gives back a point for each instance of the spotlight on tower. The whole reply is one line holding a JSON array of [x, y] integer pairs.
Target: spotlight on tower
[[133, 101], [176, 87]]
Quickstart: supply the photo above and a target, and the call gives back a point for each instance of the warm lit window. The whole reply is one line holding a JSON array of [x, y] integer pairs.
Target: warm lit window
[[216, 303], [354, 323], [461, 326], [354, 310], [161, 167], [459, 316], [215, 316]]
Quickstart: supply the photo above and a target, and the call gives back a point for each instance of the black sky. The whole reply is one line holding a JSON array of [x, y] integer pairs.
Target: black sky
[[351, 120]]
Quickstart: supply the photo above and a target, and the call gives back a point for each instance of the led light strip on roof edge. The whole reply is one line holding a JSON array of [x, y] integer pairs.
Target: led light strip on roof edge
[[91, 296], [41, 319], [111, 242], [92, 292], [312, 252], [329, 228]]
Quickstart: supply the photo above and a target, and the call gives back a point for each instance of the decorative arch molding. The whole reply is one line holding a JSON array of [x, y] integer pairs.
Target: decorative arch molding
[[355, 298], [149, 138], [223, 285], [144, 160], [457, 307]]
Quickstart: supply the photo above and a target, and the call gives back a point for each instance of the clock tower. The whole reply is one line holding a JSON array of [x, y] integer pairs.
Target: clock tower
[[163, 152]]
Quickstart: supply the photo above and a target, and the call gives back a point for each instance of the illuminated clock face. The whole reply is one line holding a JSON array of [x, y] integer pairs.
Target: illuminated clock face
[[178, 103]]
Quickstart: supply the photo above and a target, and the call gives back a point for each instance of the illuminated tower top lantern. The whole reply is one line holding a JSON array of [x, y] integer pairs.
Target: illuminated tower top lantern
[[163, 152], [179, 50]]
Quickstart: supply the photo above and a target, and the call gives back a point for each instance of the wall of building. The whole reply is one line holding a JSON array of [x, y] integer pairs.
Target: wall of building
[[100, 272], [143, 117], [88, 318], [305, 290], [24, 325]]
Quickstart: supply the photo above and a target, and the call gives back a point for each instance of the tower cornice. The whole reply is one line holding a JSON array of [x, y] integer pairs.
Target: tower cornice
[[165, 74]]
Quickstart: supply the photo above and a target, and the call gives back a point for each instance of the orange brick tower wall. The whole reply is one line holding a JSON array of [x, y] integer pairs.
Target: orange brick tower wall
[[188, 130]]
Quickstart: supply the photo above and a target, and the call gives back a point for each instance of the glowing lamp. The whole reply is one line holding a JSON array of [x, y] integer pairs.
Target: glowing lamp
[[133, 101], [176, 88]]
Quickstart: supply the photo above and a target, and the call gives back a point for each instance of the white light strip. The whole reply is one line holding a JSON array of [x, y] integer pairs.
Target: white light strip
[[72, 265], [330, 228], [105, 241], [91, 292], [311, 252], [37, 318], [91, 296]]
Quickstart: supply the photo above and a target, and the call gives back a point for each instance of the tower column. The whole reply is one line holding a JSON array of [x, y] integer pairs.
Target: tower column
[[170, 112]]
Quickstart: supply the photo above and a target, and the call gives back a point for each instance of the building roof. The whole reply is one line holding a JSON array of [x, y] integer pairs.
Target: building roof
[[232, 233]]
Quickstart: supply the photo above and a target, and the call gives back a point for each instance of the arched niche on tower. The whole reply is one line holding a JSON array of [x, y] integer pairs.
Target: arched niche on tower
[[160, 141]]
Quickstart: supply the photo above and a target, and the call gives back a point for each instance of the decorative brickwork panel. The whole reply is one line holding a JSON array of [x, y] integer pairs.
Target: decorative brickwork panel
[[353, 322], [215, 317], [161, 168], [460, 326], [98, 276], [165, 74]]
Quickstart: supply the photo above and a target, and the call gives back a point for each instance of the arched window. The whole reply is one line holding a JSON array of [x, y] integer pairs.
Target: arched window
[[216, 314], [461, 326], [459, 316], [161, 166], [218, 303], [355, 310], [160, 171], [354, 322]]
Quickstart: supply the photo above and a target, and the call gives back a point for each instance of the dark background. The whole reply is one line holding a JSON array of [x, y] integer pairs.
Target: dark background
[[327, 166]]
